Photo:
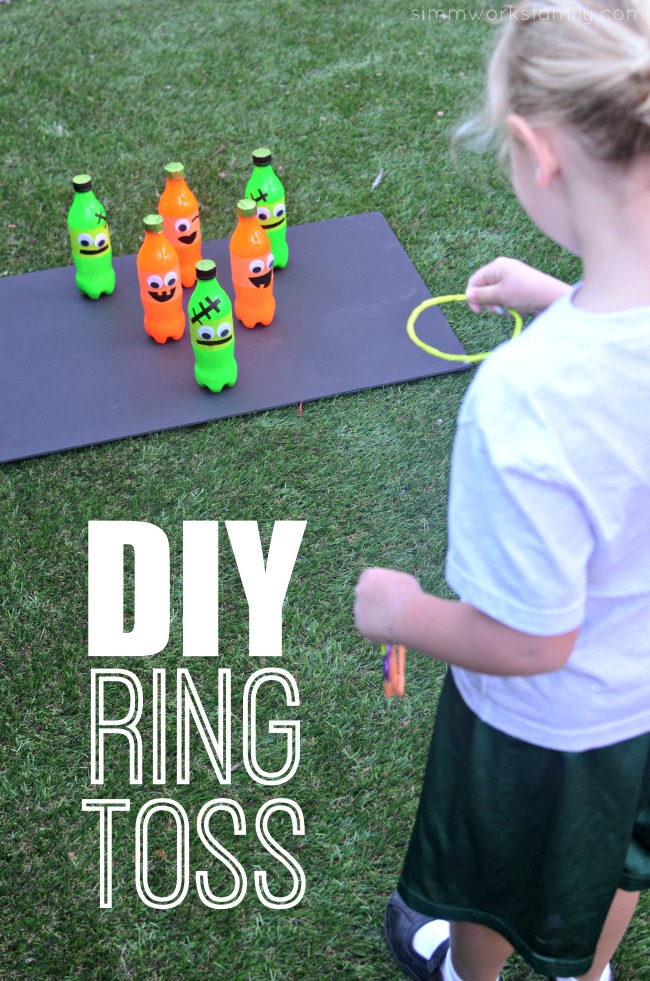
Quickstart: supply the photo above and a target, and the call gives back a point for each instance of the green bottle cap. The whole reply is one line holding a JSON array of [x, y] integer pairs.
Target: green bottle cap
[[206, 269], [175, 171], [246, 208], [82, 182], [262, 156], [153, 223]]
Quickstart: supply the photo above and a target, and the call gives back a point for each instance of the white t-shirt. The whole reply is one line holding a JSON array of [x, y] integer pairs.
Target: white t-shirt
[[549, 522]]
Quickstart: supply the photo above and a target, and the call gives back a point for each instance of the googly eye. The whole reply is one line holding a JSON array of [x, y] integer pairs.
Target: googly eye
[[279, 210], [263, 214], [85, 240], [182, 225], [223, 330], [170, 279], [101, 240], [256, 266], [155, 282], [270, 261], [206, 333]]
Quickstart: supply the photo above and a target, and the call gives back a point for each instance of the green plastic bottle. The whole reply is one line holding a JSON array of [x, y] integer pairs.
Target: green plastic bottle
[[211, 330], [90, 240], [266, 190]]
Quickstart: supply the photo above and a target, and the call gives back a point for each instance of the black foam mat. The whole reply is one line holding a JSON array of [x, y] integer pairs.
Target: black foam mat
[[74, 371]]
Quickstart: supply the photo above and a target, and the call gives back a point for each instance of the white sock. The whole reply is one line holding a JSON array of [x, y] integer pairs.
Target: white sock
[[430, 936], [605, 976], [449, 972]]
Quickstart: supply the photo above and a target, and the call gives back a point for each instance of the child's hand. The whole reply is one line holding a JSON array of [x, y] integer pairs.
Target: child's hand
[[513, 284], [379, 595]]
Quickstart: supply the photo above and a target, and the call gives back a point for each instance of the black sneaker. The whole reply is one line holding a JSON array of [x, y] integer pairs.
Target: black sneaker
[[401, 923]]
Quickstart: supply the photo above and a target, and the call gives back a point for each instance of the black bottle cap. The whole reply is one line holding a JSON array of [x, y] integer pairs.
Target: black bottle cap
[[82, 182], [206, 269], [262, 156]]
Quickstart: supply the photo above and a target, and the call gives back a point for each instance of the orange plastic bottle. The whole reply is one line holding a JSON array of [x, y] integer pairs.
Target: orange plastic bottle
[[251, 262], [159, 276], [180, 212]]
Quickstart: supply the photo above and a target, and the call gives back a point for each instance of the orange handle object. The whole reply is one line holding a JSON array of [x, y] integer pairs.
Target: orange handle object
[[394, 669]]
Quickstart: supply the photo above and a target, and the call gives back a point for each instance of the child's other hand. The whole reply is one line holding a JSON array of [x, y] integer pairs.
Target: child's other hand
[[511, 283], [380, 593]]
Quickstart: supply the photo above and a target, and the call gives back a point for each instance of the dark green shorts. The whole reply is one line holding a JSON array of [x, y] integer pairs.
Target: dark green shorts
[[531, 842]]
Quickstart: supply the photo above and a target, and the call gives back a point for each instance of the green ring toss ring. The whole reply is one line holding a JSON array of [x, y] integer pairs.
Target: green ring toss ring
[[455, 298]]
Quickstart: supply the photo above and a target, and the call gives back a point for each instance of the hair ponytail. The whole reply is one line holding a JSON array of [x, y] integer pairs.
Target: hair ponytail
[[584, 64]]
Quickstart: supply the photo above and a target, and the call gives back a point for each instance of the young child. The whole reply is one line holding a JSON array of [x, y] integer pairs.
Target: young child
[[533, 828]]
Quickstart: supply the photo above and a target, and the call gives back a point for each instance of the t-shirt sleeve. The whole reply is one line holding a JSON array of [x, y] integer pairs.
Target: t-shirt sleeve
[[519, 536]]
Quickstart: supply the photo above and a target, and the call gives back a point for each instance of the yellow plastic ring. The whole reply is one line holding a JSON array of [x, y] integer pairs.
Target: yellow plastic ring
[[465, 358]]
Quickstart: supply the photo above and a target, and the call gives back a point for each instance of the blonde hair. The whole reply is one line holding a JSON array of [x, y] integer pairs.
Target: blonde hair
[[584, 64]]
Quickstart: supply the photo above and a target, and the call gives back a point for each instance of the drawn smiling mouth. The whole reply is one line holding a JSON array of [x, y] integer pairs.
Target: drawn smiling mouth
[[217, 340], [263, 280], [187, 239], [275, 224], [93, 251], [164, 296]]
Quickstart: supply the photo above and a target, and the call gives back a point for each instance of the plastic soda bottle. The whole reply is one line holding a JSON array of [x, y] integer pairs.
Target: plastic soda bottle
[[180, 211], [90, 240], [159, 276], [251, 261], [211, 330], [266, 190]]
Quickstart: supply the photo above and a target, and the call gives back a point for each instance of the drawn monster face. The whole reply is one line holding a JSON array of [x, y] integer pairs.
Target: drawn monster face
[[182, 231], [161, 286], [92, 240], [210, 326], [208, 335], [256, 272], [272, 215]]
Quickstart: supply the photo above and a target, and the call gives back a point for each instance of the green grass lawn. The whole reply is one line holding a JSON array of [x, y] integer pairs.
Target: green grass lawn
[[340, 91]]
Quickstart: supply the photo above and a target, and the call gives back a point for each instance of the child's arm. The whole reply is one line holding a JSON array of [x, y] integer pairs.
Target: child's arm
[[392, 606], [513, 284]]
